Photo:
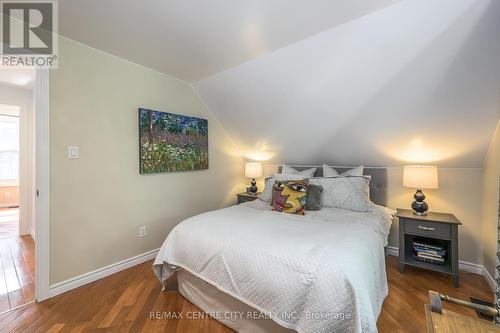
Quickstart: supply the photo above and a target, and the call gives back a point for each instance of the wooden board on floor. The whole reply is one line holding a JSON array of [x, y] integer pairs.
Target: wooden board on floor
[[451, 322], [17, 271], [123, 302]]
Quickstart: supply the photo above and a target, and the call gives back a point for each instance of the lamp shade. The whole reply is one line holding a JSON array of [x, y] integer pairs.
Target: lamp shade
[[253, 170], [420, 176]]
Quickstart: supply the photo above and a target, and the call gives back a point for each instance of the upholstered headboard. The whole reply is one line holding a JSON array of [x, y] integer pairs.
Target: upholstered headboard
[[378, 183]]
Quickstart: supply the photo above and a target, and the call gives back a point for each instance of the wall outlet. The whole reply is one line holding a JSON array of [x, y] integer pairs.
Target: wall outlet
[[142, 231], [7, 196]]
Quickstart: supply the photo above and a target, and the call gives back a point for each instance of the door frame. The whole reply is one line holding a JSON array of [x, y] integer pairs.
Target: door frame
[[42, 184]]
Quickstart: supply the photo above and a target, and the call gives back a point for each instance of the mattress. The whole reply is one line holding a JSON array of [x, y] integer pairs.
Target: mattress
[[323, 272]]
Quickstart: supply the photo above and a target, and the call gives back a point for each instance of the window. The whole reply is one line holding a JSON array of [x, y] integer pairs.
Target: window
[[9, 145]]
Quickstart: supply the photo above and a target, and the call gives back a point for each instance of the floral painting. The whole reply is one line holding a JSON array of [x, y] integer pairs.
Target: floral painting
[[172, 142]]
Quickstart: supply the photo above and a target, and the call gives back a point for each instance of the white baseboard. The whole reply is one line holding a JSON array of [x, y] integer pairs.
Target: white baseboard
[[392, 251], [489, 278], [100, 273], [470, 267], [462, 265]]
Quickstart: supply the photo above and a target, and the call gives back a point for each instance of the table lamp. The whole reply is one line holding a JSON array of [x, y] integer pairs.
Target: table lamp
[[253, 170], [420, 177]]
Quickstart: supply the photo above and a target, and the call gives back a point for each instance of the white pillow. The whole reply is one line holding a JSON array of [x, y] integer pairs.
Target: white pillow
[[267, 194], [350, 192], [292, 171], [331, 172]]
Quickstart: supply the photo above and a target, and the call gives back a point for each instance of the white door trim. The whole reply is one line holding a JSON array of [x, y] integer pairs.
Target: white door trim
[[41, 97]]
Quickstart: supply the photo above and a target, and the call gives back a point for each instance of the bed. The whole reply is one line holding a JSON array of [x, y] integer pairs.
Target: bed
[[256, 270]]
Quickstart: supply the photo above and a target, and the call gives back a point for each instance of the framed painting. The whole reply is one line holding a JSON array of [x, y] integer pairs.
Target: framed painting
[[171, 142]]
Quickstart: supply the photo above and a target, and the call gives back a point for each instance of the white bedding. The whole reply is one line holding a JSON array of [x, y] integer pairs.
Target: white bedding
[[322, 272]]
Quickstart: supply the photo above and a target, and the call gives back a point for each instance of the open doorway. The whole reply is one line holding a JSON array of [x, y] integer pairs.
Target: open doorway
[[17, 188], [9, 170]]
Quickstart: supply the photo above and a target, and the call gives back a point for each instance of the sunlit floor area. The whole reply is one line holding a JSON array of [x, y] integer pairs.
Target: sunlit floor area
[[17, 263], [9, 222]]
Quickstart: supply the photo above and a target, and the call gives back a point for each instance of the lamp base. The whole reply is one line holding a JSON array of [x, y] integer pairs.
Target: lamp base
[[253, 188], [419, 214], [419, 206]]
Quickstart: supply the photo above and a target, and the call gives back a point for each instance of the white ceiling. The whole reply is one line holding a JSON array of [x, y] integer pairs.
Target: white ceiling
[[194, 39], [375, 82], [23, 78], [418, 81]]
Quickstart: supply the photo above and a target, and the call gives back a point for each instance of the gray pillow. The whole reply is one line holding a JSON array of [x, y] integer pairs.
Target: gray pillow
[[313, 199], [351, 192], [267, 194]]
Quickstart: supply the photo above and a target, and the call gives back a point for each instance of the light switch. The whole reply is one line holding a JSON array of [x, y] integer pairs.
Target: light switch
[[73, 152]]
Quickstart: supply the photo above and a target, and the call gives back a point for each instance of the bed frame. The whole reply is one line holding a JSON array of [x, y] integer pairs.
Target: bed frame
[[378, 182]]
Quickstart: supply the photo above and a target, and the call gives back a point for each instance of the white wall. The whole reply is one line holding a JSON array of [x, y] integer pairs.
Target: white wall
[[490, 199], [12, 95], [414, 82], [98, 202]]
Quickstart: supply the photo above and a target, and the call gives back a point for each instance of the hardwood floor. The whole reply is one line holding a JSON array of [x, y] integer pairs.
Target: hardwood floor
[[17, 262], [17, 271], [403, 309], [123, 302]]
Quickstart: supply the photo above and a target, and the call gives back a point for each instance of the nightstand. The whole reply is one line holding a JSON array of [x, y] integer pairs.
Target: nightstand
[[246, 197], [435, 229]]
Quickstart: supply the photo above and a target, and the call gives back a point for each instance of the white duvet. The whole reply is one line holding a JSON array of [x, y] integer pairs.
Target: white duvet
[[322, 272]]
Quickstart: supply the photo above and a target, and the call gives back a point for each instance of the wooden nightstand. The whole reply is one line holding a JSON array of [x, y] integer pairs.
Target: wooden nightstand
[[246, 197], [436, 228]]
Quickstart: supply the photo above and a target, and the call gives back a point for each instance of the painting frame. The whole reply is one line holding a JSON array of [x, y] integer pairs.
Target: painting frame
[[171, 142]]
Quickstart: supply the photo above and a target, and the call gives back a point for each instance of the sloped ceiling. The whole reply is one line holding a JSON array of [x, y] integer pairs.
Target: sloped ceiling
[[194, 39], [418, 81]]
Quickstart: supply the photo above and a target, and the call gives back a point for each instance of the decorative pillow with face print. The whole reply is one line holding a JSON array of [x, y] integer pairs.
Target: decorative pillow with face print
[[290, 196]]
